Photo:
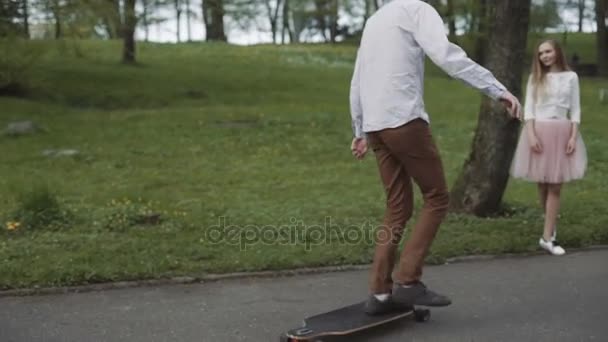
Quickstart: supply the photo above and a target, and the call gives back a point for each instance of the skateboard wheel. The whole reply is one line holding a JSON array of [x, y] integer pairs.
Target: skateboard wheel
[[422, 315], [284, 338], [302, 332]]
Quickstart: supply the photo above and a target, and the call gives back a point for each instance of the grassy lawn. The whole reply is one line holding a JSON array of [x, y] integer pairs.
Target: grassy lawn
[[244, 152]]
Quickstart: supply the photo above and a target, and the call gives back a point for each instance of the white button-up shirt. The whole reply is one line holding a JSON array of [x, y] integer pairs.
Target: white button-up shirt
[[559, 95], [388, 80]]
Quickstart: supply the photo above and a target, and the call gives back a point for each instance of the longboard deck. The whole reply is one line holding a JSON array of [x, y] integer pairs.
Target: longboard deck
[[346, 320]]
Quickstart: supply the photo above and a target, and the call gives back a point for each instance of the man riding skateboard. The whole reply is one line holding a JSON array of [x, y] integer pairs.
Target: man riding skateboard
[[388, 112]]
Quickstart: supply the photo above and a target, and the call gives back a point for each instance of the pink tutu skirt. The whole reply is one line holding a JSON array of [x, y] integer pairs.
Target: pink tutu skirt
[[552, 165]]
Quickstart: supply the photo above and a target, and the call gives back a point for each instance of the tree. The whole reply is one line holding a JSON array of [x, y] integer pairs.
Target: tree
[[177, 4], [481, 32], [333, 20], [544, 15], [326, 19], [145, 18], [451, 16], [584, 11], [480, 186], [55, 10], [9, 13], [128, 51], [601, 13], [25, 12], [213, 17], [112, 19], [153, 12], [272, 11], [581, 6], [286, 23], [189, 15]]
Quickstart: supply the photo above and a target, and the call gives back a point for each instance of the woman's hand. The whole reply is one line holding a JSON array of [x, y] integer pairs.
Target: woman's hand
[[571, 147], [535, 143]]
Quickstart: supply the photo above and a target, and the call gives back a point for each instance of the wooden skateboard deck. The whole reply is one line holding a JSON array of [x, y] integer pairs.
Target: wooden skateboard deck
[[347, 320]]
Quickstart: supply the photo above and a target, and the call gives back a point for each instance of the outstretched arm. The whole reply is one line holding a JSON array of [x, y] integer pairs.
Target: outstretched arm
[[430, 35]]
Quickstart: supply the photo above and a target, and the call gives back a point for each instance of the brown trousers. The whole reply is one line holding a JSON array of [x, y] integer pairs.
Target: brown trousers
[[405, 153]]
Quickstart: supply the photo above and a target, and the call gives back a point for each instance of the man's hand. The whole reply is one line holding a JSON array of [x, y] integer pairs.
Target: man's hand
[[359, 147], [512, 103]]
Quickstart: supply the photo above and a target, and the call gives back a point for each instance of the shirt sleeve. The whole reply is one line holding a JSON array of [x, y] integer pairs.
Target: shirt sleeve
[[530, 102], [429, 33], [356, 111], [575, 100]]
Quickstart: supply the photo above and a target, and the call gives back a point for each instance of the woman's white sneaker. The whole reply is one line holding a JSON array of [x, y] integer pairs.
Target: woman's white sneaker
[[552, 247]]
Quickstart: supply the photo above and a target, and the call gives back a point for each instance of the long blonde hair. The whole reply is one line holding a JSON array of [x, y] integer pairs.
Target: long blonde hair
[[539, 71]]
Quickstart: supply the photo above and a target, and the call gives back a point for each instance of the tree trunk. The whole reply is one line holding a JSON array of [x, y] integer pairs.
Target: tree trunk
[[368, 11], [144, 18], [481, 41], [273, 18], [56, 11], [601, 8], [581, 15], [376, 4], [320, 13], [285, 20], [118, 19], [128, 51], [188, 25], [213, 15], [333, 18], [8, 13], [206, 20], [112, 21], [480, 186], [287, 23], [298, 23], [58, 31], [26, 19], [451, 21], [178, 14]]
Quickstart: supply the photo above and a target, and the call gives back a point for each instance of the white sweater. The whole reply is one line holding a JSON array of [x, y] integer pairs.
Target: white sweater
[[559, 96]]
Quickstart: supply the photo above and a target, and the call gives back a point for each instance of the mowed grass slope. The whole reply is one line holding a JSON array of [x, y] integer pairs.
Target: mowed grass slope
[[244, 153]]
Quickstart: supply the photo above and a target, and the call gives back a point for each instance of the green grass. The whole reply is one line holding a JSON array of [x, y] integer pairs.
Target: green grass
[[255, 136]]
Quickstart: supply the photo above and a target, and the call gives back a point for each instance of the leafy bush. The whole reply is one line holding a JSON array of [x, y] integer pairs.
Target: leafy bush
[[16, 61], [37, 209]]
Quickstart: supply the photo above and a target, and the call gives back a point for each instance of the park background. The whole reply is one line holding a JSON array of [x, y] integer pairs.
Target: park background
[[156, 139]]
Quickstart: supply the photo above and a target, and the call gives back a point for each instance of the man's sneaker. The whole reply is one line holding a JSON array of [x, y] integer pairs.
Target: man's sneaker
[[418, 294], [375, 306], [552, 247]]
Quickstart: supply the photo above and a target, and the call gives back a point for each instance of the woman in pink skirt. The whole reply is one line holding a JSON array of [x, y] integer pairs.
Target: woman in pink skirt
[[550, 151]]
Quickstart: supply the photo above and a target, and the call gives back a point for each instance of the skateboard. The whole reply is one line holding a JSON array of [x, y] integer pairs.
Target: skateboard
[[347, 320]]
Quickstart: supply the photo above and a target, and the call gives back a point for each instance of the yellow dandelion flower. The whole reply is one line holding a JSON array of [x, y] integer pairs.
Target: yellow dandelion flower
[[12, 225]]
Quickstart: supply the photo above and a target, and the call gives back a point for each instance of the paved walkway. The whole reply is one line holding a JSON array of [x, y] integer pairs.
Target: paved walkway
[[541, 298]]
